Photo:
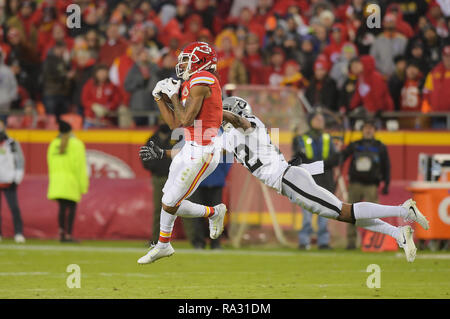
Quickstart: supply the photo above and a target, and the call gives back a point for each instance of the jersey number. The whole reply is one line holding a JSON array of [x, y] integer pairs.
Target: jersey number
[[250, 167]]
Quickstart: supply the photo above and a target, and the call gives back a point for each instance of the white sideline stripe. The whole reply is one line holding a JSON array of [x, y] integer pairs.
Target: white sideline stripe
[[23, 273], [444, 256]]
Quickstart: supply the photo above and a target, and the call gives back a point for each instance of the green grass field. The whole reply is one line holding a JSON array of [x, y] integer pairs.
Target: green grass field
[[109, 270]]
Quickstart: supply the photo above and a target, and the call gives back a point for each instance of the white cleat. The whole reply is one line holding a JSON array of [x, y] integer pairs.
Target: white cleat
[[406, 241], [414, 214], [19, 239], [216, 221], [156, 253]]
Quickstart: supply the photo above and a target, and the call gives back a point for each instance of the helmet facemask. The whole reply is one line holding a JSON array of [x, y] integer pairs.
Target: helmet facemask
[[187, 59]]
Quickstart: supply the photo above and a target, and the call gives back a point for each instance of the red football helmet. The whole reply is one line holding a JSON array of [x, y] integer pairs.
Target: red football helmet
[[195, 57]]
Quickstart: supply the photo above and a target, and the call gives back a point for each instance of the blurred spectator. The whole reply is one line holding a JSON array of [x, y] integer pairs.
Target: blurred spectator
[[416, 52], [93, 43], [292, 76], [192, 28], [114, 46], [307, 56], [68, 177], [48, 40], [8, 88], [4, 46], [387, 45], [238, 73], [253, 60], [355, 68], [24, 62], [338, 39], [315, 145], [275, 70], [206, 10], [436, 92], [12, 170], [432, 44], [411, 97], [322, 91], [396, 81], [122, 64], [401, 25], [25, 21], [225, 42], [369, 166], [209, 193], [371, 89], [99, 97], [339, 71], [56, 80], [83, 64], [159, 171], [140, 81]]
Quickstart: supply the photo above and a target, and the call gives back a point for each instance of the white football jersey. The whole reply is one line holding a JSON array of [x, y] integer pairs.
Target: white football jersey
[[255, 151]]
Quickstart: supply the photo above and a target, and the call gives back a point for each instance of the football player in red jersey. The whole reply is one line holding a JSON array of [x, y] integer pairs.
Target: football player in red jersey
[[199, 112]]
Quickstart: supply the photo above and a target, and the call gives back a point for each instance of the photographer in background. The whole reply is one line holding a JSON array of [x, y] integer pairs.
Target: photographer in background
[[12, 169], [369, 166]]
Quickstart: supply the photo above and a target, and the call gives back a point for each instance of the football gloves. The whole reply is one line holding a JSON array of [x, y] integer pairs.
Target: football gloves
[[151, 151], [158, 88], [171, 87]]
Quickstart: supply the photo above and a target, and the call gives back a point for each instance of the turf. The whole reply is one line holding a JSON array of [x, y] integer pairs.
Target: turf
[[109, 270]]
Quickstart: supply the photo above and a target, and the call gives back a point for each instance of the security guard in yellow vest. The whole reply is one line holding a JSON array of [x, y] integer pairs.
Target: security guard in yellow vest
[[315, 145]]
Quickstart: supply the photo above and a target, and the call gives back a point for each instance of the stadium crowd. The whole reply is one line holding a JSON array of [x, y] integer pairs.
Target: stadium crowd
[[105, 68]]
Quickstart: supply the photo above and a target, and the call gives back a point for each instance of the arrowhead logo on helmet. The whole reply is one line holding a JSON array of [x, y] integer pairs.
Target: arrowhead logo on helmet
[[194, 58]]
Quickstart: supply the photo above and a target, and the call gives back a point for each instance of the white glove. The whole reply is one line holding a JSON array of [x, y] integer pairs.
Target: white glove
[[158, 88], [171, 87]]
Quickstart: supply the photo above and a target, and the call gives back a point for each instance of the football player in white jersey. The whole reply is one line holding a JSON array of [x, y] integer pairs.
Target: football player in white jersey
[[246, 137]]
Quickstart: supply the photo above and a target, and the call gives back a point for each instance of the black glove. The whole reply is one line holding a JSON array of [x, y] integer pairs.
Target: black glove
[[385, 189], [151, 151], [296, 161]]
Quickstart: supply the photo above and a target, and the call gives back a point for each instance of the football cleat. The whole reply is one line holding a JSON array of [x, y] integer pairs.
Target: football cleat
[[405, 240], [216, 221], [156, 252], [414, 214]]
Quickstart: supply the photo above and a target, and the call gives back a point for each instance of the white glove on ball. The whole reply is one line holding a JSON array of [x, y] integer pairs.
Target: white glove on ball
[[158, 88], [171, 87]]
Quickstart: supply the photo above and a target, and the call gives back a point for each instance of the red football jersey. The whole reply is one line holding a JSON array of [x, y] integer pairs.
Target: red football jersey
[[210, 113], [410, 96]]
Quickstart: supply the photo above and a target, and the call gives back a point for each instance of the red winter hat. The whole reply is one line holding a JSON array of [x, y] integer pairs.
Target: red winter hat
[[321, 63]]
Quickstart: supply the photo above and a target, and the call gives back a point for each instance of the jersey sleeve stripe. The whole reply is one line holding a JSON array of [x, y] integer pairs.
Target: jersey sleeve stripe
[[202, 80]]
